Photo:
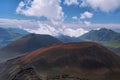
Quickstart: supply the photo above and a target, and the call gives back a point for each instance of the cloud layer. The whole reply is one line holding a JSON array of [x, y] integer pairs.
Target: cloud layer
[[103, 5], [39, 27], [69, 29]]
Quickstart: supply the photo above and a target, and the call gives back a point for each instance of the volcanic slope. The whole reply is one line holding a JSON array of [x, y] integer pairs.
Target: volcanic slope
[[70, 61]]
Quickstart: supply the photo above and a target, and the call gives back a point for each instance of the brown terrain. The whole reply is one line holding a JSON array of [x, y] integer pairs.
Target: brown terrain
[[70, 61], [27, 44]]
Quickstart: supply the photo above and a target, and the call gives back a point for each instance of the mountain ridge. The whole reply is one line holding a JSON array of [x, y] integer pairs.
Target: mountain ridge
[[102, 34], [7, 35], [27, 44]]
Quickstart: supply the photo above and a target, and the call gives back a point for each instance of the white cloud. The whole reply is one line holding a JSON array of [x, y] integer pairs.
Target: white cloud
[[21, 4], [47, 29], [87, 23], [74, 32], [50, 9], [103, 5], [74, 17], [86, 15], [71, 2], [43, 29]]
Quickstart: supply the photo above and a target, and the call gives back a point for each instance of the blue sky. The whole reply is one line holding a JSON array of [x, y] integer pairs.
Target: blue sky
[[8, 10], [67, 15]]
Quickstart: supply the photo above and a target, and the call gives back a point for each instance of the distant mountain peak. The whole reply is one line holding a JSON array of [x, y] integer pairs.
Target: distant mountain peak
[[102, 34], [105, 29]]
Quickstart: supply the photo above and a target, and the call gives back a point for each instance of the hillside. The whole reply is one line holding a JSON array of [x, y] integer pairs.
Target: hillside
[[27, 44], [7, 35], [112, 44], [115, 50], [71, 61]]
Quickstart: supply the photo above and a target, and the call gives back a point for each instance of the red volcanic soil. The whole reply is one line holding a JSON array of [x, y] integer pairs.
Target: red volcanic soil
[[86, 60], [83, 54]]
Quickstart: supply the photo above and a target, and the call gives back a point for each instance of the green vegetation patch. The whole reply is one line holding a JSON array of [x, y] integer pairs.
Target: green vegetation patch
[[114, 44]]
